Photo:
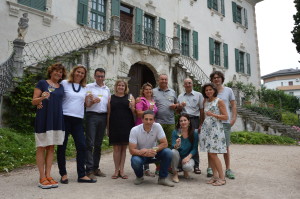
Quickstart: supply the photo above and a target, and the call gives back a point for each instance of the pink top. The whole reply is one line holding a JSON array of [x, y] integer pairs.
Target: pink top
[[143, 105]]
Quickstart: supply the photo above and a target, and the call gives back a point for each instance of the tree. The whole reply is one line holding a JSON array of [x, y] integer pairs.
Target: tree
[[296, 30]]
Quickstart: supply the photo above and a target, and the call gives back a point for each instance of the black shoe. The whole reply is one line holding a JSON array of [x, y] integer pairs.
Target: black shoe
[[66, 181], [86, 181]]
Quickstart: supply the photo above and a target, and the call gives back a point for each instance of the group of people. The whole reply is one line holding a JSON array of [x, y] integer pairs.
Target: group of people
[[146, 124]]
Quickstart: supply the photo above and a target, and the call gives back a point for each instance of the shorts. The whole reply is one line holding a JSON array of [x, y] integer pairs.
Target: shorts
[[227, 131]]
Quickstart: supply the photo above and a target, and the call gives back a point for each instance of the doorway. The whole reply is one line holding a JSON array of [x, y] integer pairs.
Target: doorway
[[139, 74]]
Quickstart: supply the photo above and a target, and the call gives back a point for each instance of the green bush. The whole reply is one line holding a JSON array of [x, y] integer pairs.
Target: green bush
[[18, 149], [244, 137], [291, 119]]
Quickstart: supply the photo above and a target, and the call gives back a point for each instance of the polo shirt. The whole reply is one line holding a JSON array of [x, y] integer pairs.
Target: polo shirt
[[163, 99], [96, 90], [145, 140], [194, 102]]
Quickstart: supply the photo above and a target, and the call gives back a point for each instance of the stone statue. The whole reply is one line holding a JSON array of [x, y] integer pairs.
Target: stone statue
[[23, 26]]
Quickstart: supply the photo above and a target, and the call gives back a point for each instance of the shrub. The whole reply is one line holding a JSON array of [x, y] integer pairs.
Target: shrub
[[244, 137]]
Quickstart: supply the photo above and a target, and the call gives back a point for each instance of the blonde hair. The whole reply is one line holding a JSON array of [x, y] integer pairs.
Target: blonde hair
[[125, 83], [143, 88], [71, 75]]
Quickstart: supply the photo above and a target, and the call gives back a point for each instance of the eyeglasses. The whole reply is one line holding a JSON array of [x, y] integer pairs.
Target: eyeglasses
[[216, 77], [188, 83], [99, 76]]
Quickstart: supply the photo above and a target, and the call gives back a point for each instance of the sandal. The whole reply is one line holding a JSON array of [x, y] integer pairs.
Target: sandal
[[54, 184], [219, 182], [124, 176], [197, 170], [149, 173], [114, 177], [212, 180], [44, 184]]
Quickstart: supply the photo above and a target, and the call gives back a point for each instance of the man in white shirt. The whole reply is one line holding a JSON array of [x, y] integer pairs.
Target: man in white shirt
[[96, 118], [144, 149], [191, 103]]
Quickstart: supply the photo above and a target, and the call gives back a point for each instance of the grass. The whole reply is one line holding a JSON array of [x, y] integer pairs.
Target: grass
[[243, 137], [18, 149]]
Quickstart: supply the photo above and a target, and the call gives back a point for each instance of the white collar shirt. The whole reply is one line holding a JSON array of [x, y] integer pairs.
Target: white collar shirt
[[98, 91]]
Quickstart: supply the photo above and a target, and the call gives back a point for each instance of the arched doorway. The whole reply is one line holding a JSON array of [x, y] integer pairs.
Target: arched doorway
[[139, 74]]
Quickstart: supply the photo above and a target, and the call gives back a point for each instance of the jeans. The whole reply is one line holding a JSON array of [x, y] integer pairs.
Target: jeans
[[95, 128], [195, 124], [164, 157], [73, 126]]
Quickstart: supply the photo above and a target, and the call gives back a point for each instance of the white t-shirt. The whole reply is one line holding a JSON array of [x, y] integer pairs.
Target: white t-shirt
[[73, 102], [145, 140], [227, 96], [96, 90]]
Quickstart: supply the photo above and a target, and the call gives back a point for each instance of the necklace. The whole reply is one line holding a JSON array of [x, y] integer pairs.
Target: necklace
[[75, 89]]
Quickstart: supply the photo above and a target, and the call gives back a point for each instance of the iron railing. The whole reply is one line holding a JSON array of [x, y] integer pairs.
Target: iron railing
[[193, 69], [137, 34], [61, 44], [6, 74]]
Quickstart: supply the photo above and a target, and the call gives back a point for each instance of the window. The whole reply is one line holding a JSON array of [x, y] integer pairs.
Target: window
[[149, 30], [291, 93], [37, 4], [218, 53], [98, 18], [216, 5], [290, 83], [239, 15], [185, 39], [281, 83], [242, 62]]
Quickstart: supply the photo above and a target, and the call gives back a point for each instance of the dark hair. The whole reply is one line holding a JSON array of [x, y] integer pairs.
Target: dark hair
[[57, 66], [148, 112], [101, 70], [143, 87], [190, 129], [213, 87], [219, 73]]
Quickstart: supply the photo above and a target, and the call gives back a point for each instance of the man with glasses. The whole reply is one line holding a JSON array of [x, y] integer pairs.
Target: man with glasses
[[226, 94], [97, 98], [191, 103]]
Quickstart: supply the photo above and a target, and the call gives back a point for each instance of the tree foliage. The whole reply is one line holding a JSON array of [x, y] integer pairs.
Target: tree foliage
[[296, 30]]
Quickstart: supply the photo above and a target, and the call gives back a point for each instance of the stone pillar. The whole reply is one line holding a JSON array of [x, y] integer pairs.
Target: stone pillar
[[115, 27], [18, 58], [176, 49]]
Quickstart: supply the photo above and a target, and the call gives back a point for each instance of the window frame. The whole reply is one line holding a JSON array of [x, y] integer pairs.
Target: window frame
[[149, 30], [100, 13], [185, 41]]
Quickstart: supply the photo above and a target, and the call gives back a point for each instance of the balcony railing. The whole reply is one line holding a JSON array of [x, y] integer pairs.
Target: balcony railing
[[6, 74], [61, 44], [137, 34]]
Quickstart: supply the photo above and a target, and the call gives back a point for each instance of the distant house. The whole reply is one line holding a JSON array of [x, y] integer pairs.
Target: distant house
[[287, 80]]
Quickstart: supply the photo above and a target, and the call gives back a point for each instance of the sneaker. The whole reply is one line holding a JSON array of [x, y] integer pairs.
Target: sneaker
[[44, 184], [229, 174], [99, 173], [165, 182], [138, 181], [209, 172], [91, 175], [54, 184]]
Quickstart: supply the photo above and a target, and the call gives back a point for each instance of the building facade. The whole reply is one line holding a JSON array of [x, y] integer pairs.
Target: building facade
[[140, 39], [287, 80]]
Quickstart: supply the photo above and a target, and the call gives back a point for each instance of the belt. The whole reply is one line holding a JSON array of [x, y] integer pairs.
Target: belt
[[193, 117], [92, 112]]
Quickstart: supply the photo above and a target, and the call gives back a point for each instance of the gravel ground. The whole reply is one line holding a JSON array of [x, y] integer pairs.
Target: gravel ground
[[262, 171]]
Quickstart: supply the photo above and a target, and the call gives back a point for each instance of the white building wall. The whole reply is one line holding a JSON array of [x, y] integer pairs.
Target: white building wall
[[193, 15], [277, 83]]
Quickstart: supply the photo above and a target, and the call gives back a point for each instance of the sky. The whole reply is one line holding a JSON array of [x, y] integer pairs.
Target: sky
[[274, 25]]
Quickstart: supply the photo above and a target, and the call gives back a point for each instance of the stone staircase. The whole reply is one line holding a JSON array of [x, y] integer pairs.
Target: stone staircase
[[270, 126]]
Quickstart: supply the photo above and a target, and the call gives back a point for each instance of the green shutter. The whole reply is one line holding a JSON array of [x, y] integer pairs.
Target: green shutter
[[223, 8], [225, 49], [245, 18], [138, 25], [37, 4], [162, 34], [115, 7], [237, 62], [195, 45], [82, 12], [211, 51], [248, 64], [234, 10], [209, 4]]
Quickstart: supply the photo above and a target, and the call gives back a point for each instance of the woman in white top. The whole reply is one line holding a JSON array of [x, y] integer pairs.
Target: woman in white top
[[73, 111]]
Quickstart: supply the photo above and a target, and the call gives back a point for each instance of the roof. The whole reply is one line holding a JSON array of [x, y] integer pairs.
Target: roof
[[283, 72]]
